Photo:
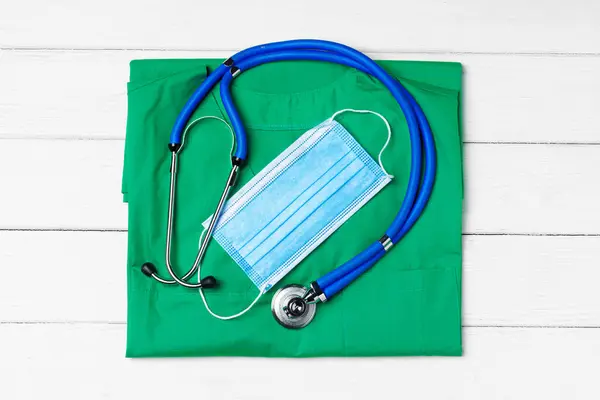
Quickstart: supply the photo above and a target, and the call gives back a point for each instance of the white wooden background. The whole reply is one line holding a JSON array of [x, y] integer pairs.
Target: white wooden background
[[532, 221]]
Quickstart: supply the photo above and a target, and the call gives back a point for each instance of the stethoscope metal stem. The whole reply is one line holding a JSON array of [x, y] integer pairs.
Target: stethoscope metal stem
[[216, 214], [205, 241]]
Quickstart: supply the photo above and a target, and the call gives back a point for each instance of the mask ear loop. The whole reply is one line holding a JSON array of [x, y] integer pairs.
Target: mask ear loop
[[387, 125], [221, 317], [201, 291]]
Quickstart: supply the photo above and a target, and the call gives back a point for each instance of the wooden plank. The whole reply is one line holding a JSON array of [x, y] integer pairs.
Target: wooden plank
[[63, 94], [61, 184], [82, 94], [525, 189], [531, 280], [70, 276], [86, 361], [509, 188], [508, 280], [429, 25]]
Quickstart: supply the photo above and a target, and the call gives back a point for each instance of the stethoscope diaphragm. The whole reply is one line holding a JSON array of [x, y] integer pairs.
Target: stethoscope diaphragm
[[290, 308]]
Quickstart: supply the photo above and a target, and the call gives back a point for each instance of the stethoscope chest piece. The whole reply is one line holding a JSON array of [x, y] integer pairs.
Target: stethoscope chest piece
[[290, 308]]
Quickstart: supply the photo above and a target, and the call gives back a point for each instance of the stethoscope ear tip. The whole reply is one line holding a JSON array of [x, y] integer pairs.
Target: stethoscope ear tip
[[209, 282], [148, 269]]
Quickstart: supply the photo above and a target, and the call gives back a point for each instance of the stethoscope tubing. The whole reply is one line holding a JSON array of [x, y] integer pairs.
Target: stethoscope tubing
[[421, 179]]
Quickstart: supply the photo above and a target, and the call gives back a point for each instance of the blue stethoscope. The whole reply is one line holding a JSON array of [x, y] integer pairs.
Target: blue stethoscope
[[294, 306]]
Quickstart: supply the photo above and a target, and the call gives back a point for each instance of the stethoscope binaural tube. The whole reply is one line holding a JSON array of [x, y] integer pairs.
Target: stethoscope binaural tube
[[420, 182]]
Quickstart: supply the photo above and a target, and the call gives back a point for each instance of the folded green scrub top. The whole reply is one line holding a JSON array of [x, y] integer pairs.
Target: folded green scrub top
[[409, 303]]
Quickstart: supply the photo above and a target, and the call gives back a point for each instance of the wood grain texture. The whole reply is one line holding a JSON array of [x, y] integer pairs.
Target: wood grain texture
[[65, 184], [75, 362], [524, 189], [531, 280], [507, 98], [383, 25], [508, 280], [531, 76], [62, 184]]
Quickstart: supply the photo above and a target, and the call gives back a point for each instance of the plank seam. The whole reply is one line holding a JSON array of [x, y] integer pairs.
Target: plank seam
[[368, 51], [62, 230], [531, 234], [533, 143], [532, 326]]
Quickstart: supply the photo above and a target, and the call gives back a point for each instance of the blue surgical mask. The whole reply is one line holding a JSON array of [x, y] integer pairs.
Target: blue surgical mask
[[297, 201]]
